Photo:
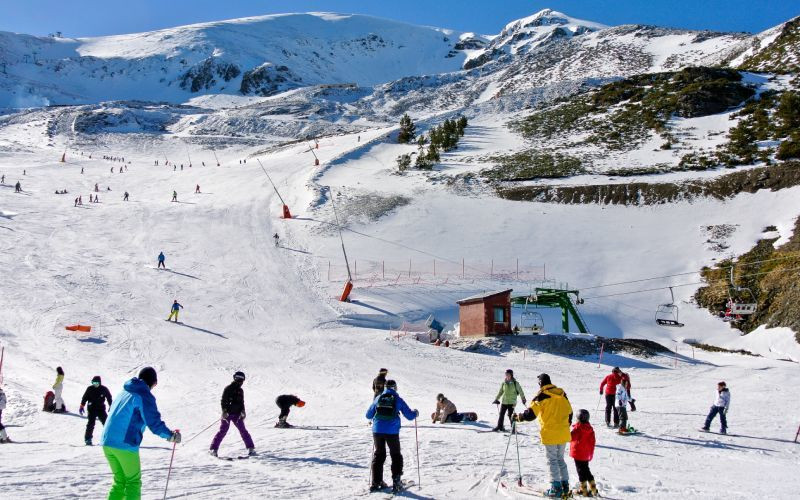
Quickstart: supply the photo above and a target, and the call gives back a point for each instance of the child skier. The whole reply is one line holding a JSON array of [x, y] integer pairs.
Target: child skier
[[58, 386], [3, 435], [622, 399], [96, 395], [174, 311], [581, 449], [134, 409], [379, 383], [385, 415], [626, 381], [720, 406], [285, 403], [233, 411], [507, 399]]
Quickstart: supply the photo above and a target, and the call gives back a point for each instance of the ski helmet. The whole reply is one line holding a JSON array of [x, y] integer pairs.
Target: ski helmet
[[583, 416], [439, 397], [544, 379], [238, 376], [96, 378], [383, 371], [148, 376], [391, 384]]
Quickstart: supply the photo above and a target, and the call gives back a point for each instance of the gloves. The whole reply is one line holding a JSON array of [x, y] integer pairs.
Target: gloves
[[80, 410], [242, 415], [175, 437], [524, 401], [225, 415], [416, 413], [601, 392], [495, 402]]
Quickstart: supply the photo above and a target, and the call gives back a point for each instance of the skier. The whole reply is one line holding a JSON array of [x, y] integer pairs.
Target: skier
[[112, 170], [285, 403], [3, 434], [91, 200], [276, 238], [80, 201], [174, 168], [379, 383], [554, 413], [581, 449], [622, 400], [76, 202], [720, 406], [174, 311], [58, 386], [96, 396], [161, 259], [174, 196], [133, 410], [445, 411], [610, 384], [233, 411], [3, 179], [197, 189], [125, 196], [507, 399], [97, 198], [385, 415], [626, 382], [81, 169], [18, 187], [96, 188]]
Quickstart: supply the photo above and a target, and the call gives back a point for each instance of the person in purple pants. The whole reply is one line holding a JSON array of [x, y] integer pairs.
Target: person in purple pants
[[233, 412]]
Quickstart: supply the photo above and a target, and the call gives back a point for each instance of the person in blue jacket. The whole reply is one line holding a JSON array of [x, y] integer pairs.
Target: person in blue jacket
[[161, 258], [385, 415], [133, 410]]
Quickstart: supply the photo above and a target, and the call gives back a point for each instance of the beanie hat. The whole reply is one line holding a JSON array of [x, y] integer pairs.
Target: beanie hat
[[238, 376], [148, 376], [510, 372], [96, 378], [544, 379], [440, 397], [391, 384], [383, 370], [616, 370], [583, 416]]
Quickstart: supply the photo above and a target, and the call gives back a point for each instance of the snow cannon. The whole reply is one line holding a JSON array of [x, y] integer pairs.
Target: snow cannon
[[286, 213], [348, 287]]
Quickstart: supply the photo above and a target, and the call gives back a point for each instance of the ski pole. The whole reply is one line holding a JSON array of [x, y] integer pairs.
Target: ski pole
[[169, 471], [207, 428], [519, 462], [416, 437], [598, 403], [796, 435], [503, 467]]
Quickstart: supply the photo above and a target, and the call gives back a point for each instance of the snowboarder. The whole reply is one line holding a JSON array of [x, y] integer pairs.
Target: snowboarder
[[507, 399], [76, 202], [626, 382], [58, 386], [96, 188], [197, 189], [285, 403], [125, 196], [134, 409], [175, 196], [609, 383], [379, 383], [385, 415], [554, 413], [276, 238], [161, 260], [97, 198], [80, 201], [3, 434], [581, 449], [622, 399], [18, 187], [233, 411], [81, 169], [720, 406], [3, 179], [174, 311], [96, 396], [445, 411]]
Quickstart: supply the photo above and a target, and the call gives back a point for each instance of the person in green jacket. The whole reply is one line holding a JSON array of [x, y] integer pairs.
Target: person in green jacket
[[510, 390]]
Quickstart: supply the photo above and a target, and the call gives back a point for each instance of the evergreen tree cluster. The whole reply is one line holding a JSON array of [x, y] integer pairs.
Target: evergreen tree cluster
[[441, 139], [408, 130]]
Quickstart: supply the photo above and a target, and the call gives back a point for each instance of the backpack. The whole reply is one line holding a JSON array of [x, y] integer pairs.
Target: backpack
[[49, 401], [386, 407]]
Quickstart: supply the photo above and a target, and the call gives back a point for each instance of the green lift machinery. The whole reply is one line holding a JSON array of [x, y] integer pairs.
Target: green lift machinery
[[553, 297]]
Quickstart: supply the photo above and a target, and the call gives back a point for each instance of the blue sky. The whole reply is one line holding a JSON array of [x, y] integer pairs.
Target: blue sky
[[92, 17]]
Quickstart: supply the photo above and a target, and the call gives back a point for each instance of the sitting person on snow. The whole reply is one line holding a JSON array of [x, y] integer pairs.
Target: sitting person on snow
[[445, 411]]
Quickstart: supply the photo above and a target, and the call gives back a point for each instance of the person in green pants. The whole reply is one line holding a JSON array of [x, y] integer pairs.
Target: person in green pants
[[133, 410]]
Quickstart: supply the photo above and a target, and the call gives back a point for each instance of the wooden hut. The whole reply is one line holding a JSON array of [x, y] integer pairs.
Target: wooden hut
[[484, 314]]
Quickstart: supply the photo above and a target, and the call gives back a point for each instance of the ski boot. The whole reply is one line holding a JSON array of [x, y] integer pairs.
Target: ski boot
[[593, 488], [251, 452], [397, 484], [633, 404], [88, 442], [723, 431], [583, 490], [499, 429], [622, 430], [555, 490], [566, 491], [212, 452], [378, 487]]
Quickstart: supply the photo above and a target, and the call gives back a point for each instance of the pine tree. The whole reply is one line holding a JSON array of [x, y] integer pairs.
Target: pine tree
[[407, 130], [788, 113], [403, 162]]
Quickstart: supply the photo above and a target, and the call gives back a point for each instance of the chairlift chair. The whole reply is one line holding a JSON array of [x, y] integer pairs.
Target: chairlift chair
[[746, 303], [530, 321], [667, 314]]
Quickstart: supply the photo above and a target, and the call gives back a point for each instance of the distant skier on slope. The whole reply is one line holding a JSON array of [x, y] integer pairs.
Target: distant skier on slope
[[285, 403], [609, 387], [379, 383], [161, 260], [174, 196], [197, 189], [96, 188], [276, 238], [174, 311], [554, 413], [134, 409], [58, 387], [720, 407], [506, 397], [385, 415], [3, 434], [17, 187], [581, 449], [125, 196], [232, 403], [96, 396]]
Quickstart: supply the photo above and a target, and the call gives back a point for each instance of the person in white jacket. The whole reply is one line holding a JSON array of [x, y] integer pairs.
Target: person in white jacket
[[3, 434], [622, 400], [720, 407]]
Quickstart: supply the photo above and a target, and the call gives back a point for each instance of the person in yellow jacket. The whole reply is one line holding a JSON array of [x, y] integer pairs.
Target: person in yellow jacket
[[554, 413]]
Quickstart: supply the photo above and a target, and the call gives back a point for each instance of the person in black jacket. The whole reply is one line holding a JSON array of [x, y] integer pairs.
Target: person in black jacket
[[233, 411], [96, 396], [285, 402], [379, 384]]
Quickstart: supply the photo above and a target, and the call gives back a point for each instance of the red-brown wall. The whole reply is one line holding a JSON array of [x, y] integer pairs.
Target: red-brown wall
[[477, 318]]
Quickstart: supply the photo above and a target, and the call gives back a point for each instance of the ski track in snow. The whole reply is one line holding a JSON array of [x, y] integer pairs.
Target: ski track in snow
[[270, 312]]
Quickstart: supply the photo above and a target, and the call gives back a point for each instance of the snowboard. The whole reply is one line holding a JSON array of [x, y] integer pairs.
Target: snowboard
[[470, 416]]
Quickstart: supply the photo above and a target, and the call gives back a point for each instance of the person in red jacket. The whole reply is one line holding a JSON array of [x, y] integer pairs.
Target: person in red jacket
[[610, 385], [581, 448], [626, 383]]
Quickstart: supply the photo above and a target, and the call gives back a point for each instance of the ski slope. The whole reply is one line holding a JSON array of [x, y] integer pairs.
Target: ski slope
[[272, 313]]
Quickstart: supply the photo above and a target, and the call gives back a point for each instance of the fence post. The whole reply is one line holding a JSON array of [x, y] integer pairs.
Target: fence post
[[517, 268], [329, 270], [409, 268], [383, 269]]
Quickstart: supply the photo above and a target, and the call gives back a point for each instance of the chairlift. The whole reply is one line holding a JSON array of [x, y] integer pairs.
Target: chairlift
[[741, 301], [530, 321], [667, 314]]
